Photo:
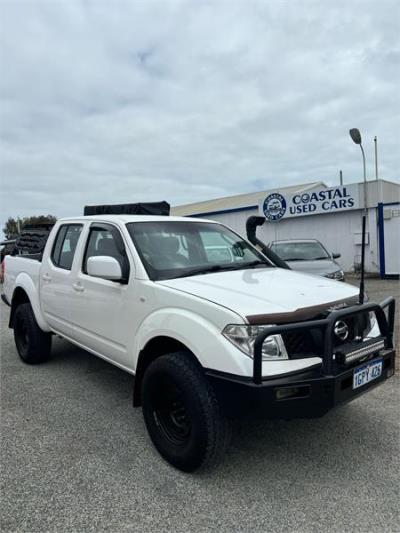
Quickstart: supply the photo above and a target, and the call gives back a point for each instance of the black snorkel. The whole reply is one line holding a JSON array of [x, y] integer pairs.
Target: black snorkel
[[251, 227]]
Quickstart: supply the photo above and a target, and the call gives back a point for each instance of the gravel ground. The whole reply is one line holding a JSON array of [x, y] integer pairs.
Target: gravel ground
[[76, 457]]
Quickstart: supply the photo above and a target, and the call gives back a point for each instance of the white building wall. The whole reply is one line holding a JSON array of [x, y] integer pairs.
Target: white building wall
[[338, 232]]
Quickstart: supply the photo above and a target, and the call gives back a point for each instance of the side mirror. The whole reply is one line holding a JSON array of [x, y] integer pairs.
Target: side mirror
[[104, 266], [335, 255]]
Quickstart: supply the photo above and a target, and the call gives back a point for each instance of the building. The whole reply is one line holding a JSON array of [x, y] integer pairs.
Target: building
[[313, 210]]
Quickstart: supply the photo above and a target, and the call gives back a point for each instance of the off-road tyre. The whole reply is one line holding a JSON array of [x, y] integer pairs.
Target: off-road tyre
[[33, 344], [182, 414]]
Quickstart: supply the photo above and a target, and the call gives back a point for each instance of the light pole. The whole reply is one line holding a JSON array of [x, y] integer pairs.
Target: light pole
[[356, 137]]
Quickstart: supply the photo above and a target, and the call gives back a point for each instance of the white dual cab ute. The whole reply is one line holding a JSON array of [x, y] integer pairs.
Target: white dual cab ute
[[208, 325]]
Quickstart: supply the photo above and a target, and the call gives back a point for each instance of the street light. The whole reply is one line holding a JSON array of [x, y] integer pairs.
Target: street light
[[356, 137]]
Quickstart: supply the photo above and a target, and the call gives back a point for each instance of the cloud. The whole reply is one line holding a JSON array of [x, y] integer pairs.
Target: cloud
[[184, 101]]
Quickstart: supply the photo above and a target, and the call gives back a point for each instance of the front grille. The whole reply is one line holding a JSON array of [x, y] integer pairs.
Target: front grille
[[299, 344], [358, 326], [309, 343]]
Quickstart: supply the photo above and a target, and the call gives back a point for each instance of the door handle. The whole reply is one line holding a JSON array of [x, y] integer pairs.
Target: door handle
[[78, 287], [46, 277]]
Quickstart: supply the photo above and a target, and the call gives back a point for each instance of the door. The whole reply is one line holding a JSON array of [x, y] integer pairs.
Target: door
[[102, 309], [56, 289]]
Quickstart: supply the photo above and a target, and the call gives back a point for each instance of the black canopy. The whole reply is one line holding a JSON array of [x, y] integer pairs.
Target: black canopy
[[149, 208]]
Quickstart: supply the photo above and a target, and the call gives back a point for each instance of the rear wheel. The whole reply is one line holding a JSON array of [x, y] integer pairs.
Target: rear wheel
[[33, 344], [182, 414]]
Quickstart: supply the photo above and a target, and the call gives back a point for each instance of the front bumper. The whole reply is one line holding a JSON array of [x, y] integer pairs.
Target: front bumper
[[316, 393], [312, 393]]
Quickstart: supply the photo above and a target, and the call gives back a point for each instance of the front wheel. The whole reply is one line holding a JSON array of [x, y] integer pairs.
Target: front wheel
[[33, 344], [182, 414]]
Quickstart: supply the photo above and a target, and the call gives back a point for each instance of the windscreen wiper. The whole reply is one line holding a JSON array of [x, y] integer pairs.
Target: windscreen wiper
[[252, 264], [201, 270], [220, 268]]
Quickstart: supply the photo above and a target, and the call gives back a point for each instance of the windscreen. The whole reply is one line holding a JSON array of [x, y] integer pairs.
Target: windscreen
[[173, 249], [300, 251]]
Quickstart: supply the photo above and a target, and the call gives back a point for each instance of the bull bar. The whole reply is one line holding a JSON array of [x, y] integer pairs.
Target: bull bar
[[326, 325]]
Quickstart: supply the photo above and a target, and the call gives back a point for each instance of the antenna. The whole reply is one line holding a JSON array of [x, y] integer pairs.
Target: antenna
[[361, 294]]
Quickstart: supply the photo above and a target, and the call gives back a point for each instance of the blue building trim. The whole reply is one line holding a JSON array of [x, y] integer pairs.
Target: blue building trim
[[381, 237], [223, 211]]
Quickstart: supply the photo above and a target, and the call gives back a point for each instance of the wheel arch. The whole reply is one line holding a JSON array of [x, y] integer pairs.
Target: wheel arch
[[19, 297], [25, 292], [155, 348]]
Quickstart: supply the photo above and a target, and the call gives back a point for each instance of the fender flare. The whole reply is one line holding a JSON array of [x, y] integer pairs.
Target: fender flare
[[25, 283], [176, 324], [197, 334]]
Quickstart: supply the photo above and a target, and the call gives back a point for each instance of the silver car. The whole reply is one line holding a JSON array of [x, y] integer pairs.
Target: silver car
[[308, 255]]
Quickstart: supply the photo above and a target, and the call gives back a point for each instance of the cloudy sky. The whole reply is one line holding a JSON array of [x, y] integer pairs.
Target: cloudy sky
[[130, 101]]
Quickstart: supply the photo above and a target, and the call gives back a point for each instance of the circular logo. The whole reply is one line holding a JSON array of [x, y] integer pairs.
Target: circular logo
[[274, 206], [305, 198], [341, 330]]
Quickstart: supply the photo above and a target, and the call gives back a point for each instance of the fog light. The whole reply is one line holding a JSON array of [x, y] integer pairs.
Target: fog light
[[284, 393]]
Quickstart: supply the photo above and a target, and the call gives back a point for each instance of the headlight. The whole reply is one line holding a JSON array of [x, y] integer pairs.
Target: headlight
[[373, 329], [243, 337], [339, 275]]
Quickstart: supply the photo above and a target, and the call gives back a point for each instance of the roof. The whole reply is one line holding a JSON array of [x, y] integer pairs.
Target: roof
[[239, 201], [132, 218]]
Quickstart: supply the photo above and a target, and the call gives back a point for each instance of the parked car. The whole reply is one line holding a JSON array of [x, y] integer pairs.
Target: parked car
[[308, 255], [206, 340]]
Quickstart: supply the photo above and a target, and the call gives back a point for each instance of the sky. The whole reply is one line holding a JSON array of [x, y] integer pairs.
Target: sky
[[125, 101]]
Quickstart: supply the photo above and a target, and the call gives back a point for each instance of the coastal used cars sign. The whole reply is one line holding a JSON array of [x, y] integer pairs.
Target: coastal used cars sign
[[277, 206]]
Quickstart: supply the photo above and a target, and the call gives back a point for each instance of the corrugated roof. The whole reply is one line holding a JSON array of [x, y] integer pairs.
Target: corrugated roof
[[239, 200]]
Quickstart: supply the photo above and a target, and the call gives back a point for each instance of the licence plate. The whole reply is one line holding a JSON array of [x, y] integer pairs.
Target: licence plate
[[366, 373]]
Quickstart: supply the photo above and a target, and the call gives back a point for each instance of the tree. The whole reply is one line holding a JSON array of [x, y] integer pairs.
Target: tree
[[13, 226]]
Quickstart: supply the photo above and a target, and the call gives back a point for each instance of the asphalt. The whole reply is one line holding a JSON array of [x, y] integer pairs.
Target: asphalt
[[75, 457]]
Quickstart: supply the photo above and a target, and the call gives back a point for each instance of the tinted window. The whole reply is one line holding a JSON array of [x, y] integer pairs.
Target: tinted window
[[108, 242], [55, 256], [65, 245]]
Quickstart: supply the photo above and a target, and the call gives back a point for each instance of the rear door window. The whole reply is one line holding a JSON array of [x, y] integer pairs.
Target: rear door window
[[65, 245]]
